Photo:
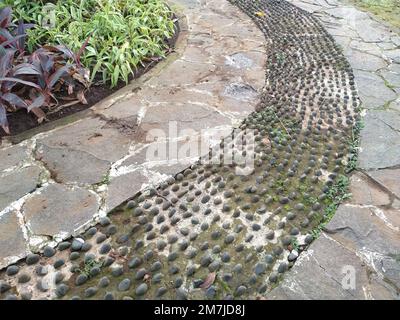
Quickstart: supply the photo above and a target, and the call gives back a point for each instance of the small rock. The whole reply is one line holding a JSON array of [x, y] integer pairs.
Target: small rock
[[240, 290], [141, 289], [104, 282], [49, 252], [293, 255], [32, 258], [124, 285], [62, 290], [81, 279], [77, 244], [12, 270]]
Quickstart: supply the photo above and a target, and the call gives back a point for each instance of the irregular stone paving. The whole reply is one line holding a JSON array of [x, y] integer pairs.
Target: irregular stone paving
[[210, 232], [60, 182], [363, 238]]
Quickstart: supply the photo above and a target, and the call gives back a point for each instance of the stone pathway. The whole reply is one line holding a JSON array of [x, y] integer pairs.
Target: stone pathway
[[60, 182], [211, 233], [358, 254], [221, 229]]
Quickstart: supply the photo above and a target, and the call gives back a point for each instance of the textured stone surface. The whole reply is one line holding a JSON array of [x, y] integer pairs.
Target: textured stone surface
[[12, 241], [59, 209], [95, 152], [122, 187], [366, 192], [201, 117], [389, 178], [12, 156], [237, 221], [103, 139], [362, 236], [364, 229], [16, 184], [320, 275], [364, 233], [380, 140], [364, 61], [373, 91], [72, 166]]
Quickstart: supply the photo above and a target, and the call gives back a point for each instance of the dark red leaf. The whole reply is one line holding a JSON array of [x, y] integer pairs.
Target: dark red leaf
[[57, 75], [14, 100], [28, 83], [6, 62], [37, 102], [26, 69], [5, 17], [81, 50]]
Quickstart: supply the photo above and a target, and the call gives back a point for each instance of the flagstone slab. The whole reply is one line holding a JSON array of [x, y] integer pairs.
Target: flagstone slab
[[380, 140], [16, 184], [389, 178], [374, 93], [324, 273], [12, 156], [59, 210], [72, 166], [12, 240], [123, 187]]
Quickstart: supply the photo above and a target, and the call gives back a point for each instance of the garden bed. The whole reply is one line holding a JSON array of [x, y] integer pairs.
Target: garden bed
[[104, 83], [22, 121]]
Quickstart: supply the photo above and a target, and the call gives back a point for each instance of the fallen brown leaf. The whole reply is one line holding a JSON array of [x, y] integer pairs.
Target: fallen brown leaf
[[208, 281]]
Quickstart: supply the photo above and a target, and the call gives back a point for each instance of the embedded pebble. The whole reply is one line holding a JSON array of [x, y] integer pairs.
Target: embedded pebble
[[141, 289]]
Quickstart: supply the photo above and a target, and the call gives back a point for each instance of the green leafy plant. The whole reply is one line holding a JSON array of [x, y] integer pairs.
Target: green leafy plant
[[88, 266], [336, 194], [123, 33]]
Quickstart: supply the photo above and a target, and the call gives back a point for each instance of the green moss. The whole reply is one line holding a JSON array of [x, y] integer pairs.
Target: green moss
[[387, 10]]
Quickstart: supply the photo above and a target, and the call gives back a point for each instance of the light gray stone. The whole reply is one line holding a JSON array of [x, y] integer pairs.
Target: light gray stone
[[389, 178], [239, 61], [240, 91], [58, 208], [12, 241], [201, 117], [12, 156], [370, 232], [105, 140], [16, 184], [72, 166], [365, 192], [319, 274], [372, 89], [364, 61], [364, 230], [123, 187], [380, 140]]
